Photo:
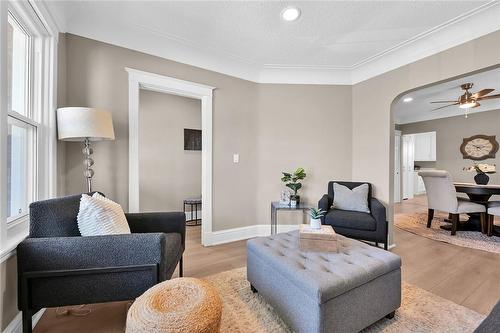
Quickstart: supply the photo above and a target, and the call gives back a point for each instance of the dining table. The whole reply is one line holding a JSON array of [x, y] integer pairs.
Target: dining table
[[480, 194]]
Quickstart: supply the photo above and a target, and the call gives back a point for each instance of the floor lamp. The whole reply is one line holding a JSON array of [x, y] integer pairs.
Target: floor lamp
[[86, 125]]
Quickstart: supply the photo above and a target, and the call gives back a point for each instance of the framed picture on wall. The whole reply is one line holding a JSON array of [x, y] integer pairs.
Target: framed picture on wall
[[192, 139]]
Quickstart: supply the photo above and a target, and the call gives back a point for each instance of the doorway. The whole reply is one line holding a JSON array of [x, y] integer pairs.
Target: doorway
[[170, 154], [154, 82]]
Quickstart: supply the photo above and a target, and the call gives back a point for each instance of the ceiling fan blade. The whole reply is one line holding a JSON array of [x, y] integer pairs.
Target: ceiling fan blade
[[444, 101], [481, 93], [442, 107], [489, 97]]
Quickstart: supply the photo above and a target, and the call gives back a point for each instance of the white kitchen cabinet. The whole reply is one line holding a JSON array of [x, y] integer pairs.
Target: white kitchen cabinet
[[425, 146]]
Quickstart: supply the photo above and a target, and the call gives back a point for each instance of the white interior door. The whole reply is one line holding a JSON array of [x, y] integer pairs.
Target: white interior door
[[397, 166], [408, 165]]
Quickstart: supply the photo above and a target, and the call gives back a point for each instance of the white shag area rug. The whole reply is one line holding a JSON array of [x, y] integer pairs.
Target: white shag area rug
[[421, 311], [417, 224]]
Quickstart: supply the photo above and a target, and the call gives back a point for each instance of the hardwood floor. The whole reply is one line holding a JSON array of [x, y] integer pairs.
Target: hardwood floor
[[465, 276]]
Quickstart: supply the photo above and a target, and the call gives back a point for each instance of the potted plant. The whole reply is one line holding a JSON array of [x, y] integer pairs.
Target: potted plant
[[482, 169], [291, 180], [316, 215]]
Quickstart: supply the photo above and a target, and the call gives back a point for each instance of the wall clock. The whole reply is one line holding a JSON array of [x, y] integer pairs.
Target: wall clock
[[479, 147]]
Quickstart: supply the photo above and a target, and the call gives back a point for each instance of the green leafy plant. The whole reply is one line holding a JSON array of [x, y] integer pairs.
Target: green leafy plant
[[291, 179], [316, 213]]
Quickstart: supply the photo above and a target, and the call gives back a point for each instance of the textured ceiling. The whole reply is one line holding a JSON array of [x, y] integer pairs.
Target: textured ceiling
[[337, 35], [421, 109]]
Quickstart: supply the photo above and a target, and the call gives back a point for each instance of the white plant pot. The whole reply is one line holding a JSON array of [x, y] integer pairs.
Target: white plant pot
[[315, 223]]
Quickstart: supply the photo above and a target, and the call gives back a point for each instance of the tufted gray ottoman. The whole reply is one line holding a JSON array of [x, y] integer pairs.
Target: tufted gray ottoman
[[325, 291]]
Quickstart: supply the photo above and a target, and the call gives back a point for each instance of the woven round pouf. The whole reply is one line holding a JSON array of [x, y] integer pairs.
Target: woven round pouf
[[178, 305]]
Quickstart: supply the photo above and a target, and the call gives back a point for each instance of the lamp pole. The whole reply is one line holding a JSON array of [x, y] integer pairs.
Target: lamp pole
[[88, 162]]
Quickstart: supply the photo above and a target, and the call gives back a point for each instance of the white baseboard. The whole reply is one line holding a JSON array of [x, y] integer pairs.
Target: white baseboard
[[236, 234], [260, 230], [16, 325]]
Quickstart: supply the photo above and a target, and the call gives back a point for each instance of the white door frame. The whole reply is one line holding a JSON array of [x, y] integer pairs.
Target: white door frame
[[397, 166], [408, 165], [150, 81]]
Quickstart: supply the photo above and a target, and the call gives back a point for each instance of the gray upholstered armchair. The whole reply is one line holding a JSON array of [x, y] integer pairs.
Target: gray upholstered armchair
[[58, 267], [366, 226]]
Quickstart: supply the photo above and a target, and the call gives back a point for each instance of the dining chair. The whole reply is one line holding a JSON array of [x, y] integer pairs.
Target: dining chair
[[442, 196], [493, 210]]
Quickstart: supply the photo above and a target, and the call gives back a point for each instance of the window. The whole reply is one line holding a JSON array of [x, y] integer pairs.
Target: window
[[20, 166], [27, 116], [22, 128], [18, 64]]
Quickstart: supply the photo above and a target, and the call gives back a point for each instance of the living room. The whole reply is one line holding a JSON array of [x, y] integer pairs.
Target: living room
[[281, 86]]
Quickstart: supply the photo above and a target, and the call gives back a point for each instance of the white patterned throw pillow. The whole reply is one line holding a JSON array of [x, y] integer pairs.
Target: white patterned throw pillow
[[346, 199], [100, 216]]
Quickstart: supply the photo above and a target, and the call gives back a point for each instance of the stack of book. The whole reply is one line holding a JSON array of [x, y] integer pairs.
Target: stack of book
[[319, 240]]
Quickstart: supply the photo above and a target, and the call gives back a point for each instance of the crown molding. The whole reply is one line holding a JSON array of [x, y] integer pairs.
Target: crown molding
[[286, 74], [471, 25]]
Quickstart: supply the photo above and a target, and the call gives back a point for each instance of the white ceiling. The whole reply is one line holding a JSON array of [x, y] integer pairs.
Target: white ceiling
[[420, 108], [339, 42]]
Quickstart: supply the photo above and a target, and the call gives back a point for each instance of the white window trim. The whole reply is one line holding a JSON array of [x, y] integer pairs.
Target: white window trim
[[35, 16]]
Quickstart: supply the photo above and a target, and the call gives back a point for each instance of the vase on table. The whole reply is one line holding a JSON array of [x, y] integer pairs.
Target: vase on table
[[481, 179], [294, 200], [315, 223]]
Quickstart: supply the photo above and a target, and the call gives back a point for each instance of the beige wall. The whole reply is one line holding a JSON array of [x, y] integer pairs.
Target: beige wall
[[250, 119], [168, 174], [305, 126], [373, 124], [8, 290], [272, 127], [449, 136]]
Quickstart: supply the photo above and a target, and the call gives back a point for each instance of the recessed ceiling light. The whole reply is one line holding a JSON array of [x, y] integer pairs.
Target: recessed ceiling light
[[290, 13], [408, 99]]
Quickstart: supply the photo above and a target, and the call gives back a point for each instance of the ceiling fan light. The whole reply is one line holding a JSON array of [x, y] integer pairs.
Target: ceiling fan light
[[469, 105]]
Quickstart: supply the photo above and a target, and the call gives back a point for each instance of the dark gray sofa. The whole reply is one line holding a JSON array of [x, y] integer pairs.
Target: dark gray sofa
[[364, 226], [58, 267]]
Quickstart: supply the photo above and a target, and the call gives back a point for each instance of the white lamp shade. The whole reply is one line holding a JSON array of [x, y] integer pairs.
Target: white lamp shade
[[78, 124]]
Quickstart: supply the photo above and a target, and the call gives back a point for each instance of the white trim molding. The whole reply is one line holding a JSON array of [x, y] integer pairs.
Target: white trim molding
[[259, 230], [470, 25], [16, 325], [169, 85], [236, 234]]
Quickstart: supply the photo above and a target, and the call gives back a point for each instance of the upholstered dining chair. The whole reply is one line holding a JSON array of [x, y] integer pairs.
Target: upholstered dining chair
[[493, 210], [442, 196]]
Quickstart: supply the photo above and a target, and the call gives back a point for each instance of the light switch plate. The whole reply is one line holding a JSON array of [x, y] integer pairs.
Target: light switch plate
[[236, 158]]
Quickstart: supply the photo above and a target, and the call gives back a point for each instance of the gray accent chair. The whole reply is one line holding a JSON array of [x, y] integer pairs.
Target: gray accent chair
[[59, 267], [442, 196], [364, 226], [493, 210]]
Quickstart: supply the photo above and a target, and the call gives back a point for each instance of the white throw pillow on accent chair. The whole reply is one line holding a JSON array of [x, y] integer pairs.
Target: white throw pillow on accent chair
[[100, 216], [355, 200]]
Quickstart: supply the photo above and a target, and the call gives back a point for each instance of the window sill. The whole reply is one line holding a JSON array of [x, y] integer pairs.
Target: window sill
[[9, 249], [13, 221]]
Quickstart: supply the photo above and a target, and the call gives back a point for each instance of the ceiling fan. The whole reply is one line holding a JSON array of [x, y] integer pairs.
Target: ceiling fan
[[469, 100]]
